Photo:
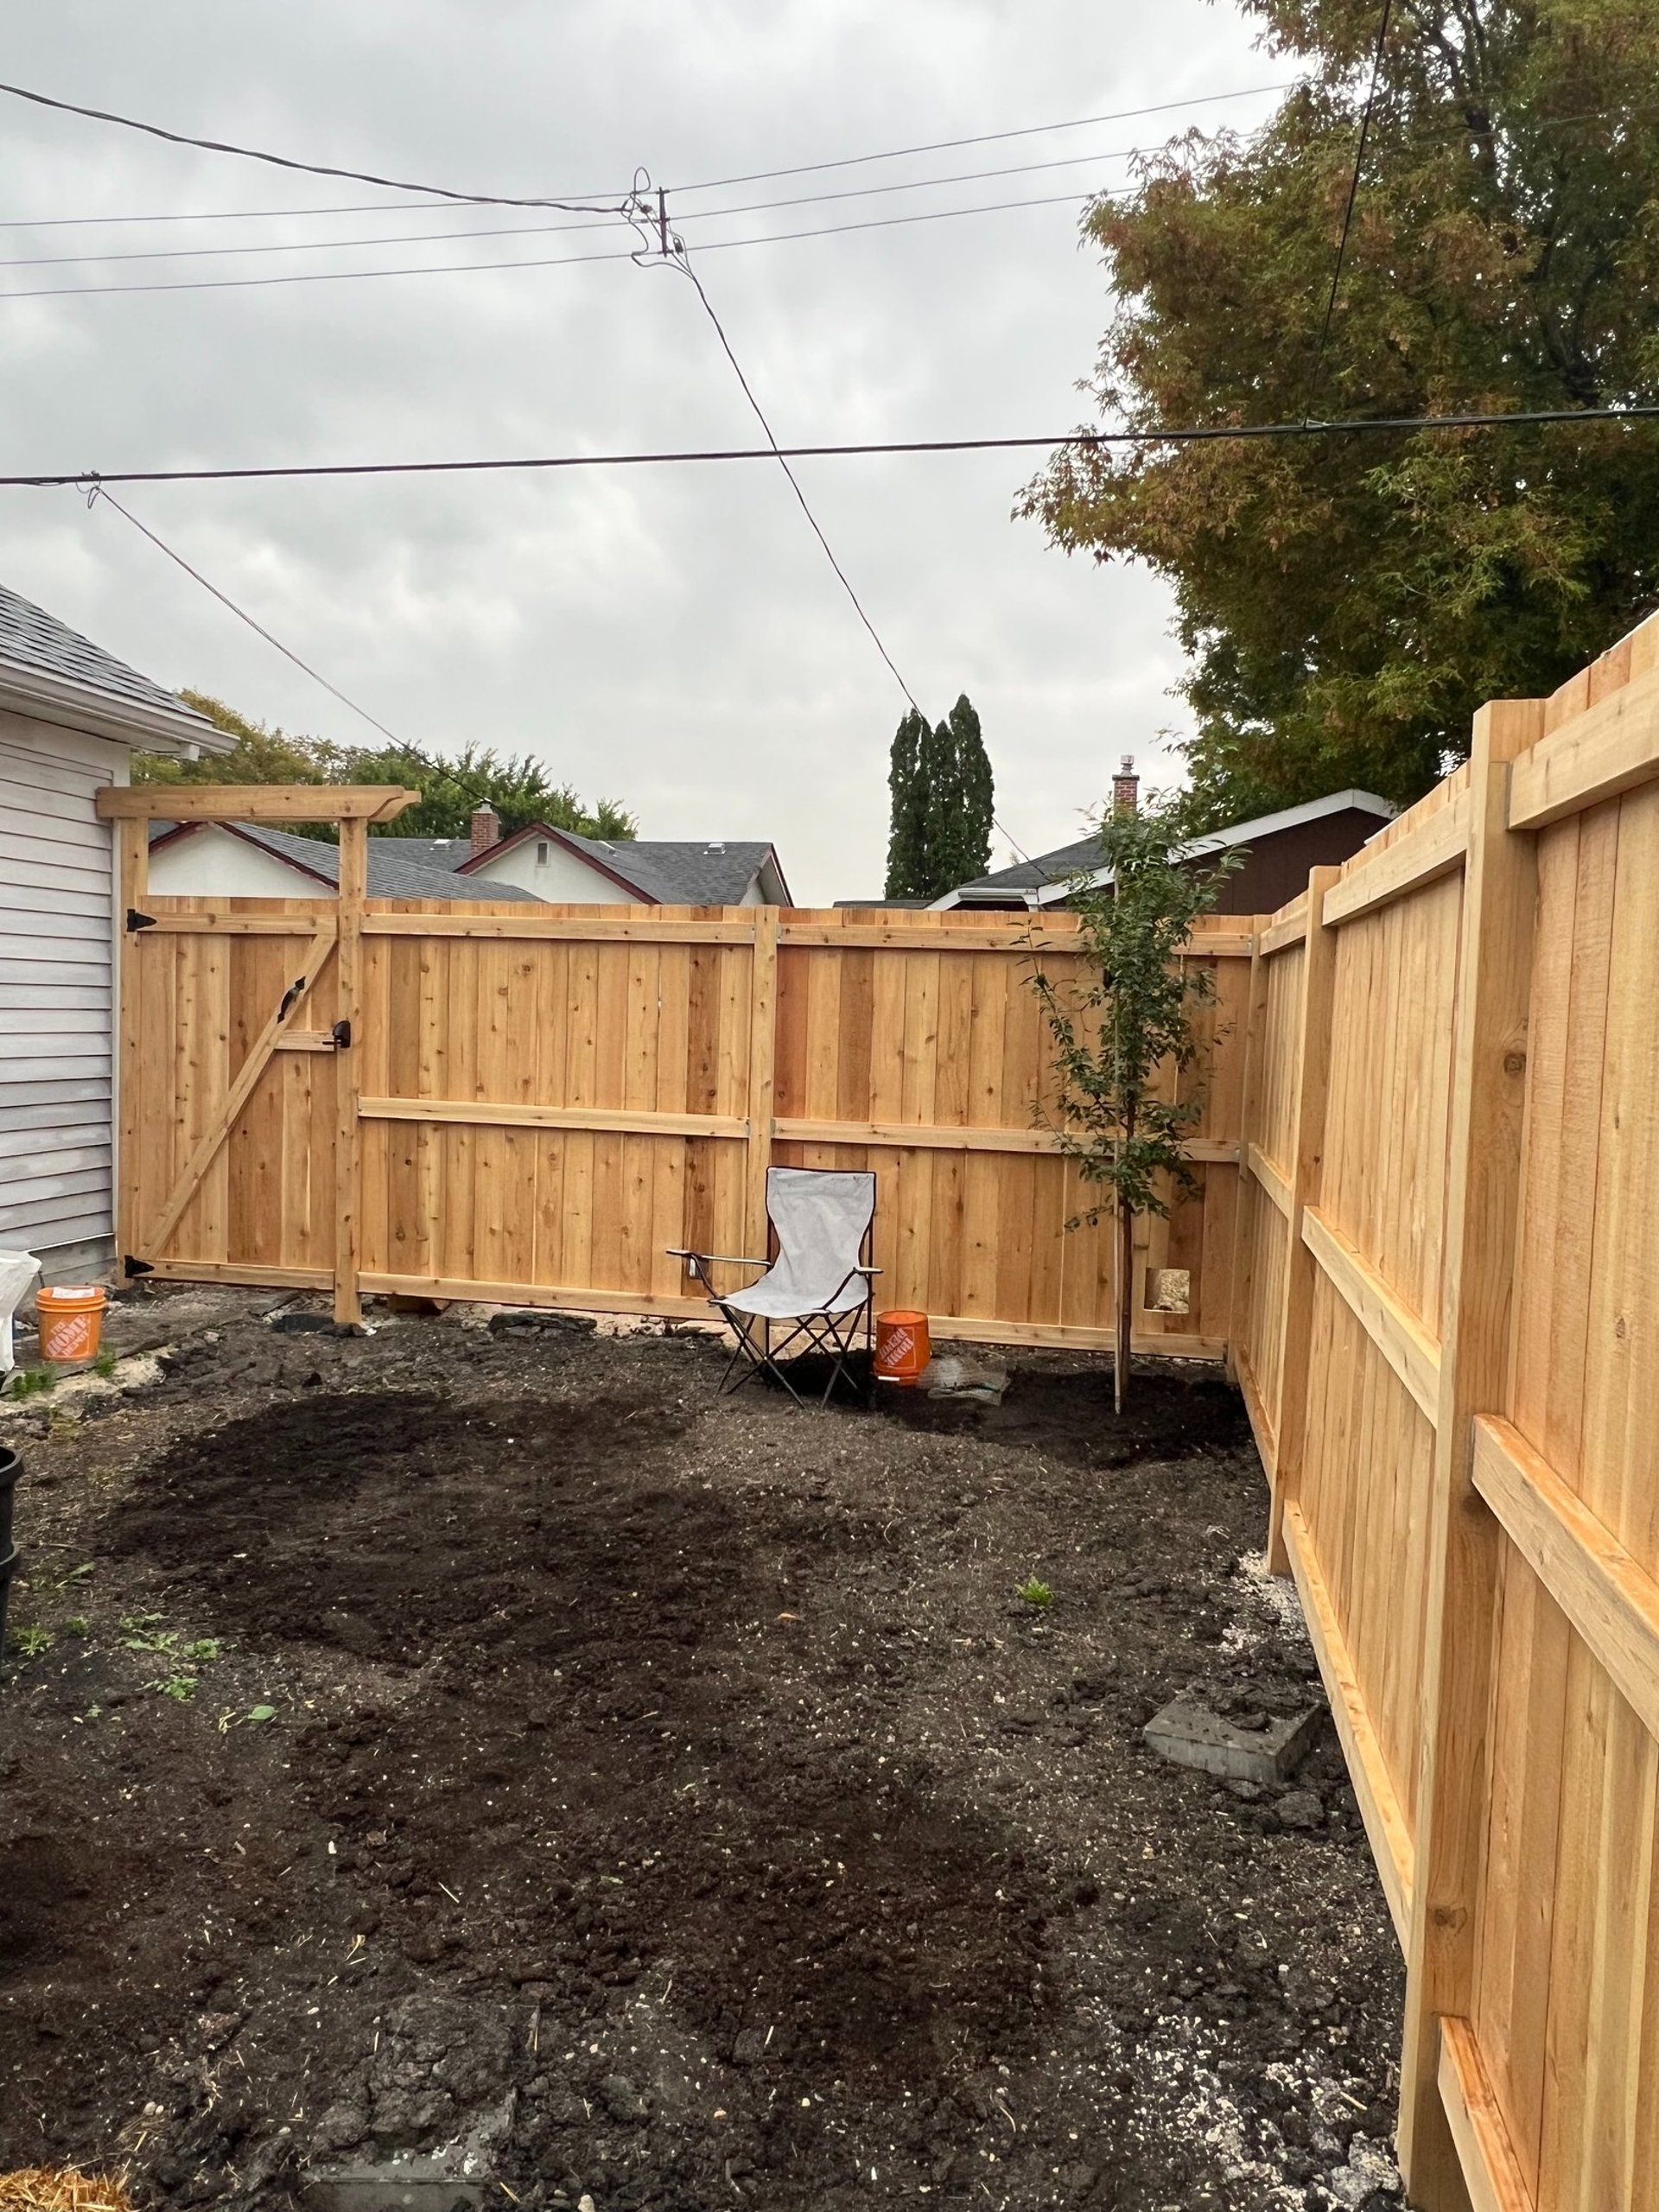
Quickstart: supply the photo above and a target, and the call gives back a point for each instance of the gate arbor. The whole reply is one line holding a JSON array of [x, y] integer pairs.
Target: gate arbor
[[530, 1104]]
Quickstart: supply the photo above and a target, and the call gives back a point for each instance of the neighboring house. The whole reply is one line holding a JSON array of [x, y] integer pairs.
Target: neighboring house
[[557, 865], [1283, 847], [71, 715], [248, 860]]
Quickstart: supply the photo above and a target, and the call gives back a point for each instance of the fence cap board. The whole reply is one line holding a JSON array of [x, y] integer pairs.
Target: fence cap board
[[254, 802]]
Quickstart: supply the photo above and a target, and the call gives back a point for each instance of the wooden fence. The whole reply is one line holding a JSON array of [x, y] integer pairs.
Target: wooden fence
[[536, 1102], [1426, 1233], [1448, 1338]]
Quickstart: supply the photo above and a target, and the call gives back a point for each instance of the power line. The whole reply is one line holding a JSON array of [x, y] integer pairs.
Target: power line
[[1454, 126], [1183, 434], [1353, 194], [542, 230], [99, 492], [986, 138], [557, 261], [674, 256], [679, 260], [286, 161]]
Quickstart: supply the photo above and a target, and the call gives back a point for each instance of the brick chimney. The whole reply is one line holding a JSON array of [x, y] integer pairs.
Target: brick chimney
[[1126, 787], [486, 829]]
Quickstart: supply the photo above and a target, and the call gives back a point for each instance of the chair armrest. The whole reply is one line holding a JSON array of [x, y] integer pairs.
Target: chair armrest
[[725, 1259]]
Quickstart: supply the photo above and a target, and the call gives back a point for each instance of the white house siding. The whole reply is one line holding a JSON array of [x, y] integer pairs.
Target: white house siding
[[214, 863], [562, 876], [56, 1017]]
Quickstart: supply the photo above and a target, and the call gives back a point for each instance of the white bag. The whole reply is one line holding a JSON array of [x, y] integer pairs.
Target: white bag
[[17, 1272]]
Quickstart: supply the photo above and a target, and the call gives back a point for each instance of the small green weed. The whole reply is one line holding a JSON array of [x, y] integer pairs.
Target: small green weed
[[51, 1582], [31, 1641], [105, 1364], [76, 1624], [179, 1687], [26, 1381], [1036, 1593]]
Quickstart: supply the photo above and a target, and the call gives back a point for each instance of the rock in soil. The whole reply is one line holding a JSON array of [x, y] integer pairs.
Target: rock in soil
[[482, 1747]]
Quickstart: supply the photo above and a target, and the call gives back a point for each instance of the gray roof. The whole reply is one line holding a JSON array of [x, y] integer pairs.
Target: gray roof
[[445, 853], [708, 873], [1066, 863], [32, 639], [681, 874], [393, 874], [1058, 866]]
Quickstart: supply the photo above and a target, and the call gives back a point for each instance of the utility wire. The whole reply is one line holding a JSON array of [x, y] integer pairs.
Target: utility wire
[[286, 161], [1450, 126], [447, 769], [543, 230], [555, 261], [498, 199], [98, 489], [986, 137], [680, 260], [1353, 194], [1174, 434]]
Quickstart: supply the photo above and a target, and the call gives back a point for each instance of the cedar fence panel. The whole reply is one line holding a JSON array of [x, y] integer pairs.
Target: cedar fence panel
[[539, 1103], [1461, 1431]]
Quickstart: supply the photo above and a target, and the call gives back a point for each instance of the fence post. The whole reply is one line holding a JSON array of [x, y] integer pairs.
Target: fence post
[[132, 887], [348, 977], [1305, 1164], [1245, 1201], [763, 1050], [1489, 1063]]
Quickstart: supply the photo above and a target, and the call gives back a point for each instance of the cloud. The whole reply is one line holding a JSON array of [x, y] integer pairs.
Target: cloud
[[670, 637]]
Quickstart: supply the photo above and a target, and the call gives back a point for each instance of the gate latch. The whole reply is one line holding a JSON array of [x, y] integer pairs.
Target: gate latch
[[341, 1033]]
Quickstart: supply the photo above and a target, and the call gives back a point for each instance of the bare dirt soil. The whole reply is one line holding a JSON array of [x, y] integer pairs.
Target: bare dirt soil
[[476, 1741]]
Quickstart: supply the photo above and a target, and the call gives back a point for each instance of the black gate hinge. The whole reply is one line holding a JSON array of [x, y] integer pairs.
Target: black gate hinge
[[131, 1266], [137, 921]]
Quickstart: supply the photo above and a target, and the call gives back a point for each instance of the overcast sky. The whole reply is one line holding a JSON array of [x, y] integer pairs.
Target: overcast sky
[[671, 638]]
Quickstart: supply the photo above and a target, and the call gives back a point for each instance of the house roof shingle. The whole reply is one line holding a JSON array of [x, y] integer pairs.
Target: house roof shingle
[[1053, 872], [32, 639], [393, 874], [681, 873]]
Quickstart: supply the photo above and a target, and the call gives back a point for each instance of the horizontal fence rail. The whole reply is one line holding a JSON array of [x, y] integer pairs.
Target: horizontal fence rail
[[1447, 1336]]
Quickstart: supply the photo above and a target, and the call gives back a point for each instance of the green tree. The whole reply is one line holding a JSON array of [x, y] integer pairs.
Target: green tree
[[942, 800], [517, 785], [908, 876], [1347, 603], [1122, 1030], [960, 799], [261, 754]]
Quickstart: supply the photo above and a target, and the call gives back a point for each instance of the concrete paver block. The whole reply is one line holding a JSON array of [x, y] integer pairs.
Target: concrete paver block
[[1189, 1734]]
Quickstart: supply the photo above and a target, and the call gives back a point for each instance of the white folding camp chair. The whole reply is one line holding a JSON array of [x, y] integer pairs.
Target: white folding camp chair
[[820, 1288]]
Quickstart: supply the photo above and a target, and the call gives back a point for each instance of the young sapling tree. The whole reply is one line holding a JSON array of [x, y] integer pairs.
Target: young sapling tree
[[1127, 1089]]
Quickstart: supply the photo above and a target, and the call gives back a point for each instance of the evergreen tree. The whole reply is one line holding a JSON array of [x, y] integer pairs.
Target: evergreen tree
[[960, 799], [907, 838], [940, 779]]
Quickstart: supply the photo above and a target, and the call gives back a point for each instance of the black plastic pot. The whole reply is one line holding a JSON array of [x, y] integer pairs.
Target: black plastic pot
[[10, 1467]]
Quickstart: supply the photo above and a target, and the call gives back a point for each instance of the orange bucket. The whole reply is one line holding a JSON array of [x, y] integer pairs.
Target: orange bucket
[[72, 1321], [902, 1349]]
